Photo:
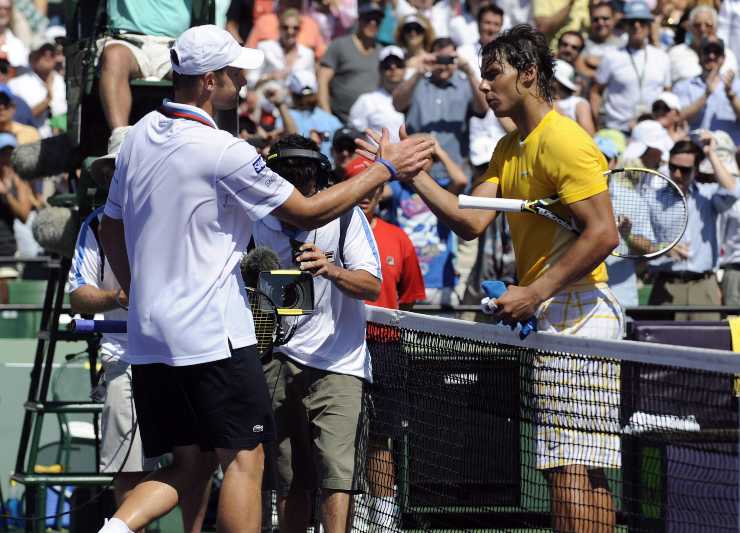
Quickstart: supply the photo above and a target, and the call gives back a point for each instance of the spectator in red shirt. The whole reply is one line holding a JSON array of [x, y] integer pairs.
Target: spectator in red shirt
[[402, 287], [403, 284]]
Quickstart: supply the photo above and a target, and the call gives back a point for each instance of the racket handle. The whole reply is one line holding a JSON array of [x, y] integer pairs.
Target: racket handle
[[492, 204], [98, 326]]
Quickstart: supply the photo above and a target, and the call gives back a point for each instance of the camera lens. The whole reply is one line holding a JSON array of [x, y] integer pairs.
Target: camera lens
[[292, 295]]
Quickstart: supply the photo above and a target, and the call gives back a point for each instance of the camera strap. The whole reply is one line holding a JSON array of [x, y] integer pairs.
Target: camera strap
[[344, 221]]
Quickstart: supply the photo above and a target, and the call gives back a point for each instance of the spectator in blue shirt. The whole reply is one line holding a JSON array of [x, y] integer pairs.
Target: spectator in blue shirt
[[310, 120], [687, 274], [710, 100]]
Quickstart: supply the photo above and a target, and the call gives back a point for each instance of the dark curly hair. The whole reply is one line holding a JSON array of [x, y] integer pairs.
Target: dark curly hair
[[522, 47], [297, 170]]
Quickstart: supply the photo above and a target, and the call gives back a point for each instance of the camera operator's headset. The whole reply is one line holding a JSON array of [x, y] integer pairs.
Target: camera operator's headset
[[323, 180]]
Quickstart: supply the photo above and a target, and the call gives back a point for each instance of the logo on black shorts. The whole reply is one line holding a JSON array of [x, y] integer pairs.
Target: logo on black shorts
[[258, 428]]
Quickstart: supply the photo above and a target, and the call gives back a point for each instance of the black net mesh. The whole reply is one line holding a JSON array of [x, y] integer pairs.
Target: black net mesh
[[470, 436]]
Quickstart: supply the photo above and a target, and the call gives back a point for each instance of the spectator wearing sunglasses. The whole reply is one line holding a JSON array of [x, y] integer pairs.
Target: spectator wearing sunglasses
[[570, 45], [375, 109], [711, 100], [414, 34], [600, 38], [350, 66], [283, 55]]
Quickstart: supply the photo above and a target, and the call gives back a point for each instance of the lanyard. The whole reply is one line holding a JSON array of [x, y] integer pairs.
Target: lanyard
[[640, 75]]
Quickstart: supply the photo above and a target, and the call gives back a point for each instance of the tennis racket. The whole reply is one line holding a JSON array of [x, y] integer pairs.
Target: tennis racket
[[650, 211], [271, 327]]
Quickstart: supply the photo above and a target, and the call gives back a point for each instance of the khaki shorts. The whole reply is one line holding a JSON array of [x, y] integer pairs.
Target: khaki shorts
[[577, 399], [152, 53], [322, 427], [117, 423]]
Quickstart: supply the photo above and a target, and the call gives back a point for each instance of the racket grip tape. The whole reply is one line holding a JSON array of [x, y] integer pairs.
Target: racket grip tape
[[492, 204], [98, 326]]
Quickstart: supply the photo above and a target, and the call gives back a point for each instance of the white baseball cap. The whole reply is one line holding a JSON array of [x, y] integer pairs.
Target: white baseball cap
[[389, 51], [669, 99], [302, 82], [208, 48], [565, 74]]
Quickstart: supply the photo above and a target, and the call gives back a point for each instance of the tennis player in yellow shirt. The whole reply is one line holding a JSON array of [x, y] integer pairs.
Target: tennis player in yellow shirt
[[562, 277]]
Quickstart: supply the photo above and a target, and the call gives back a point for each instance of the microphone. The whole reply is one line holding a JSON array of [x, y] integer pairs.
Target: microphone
[[259, 259], [47, 157], [55, 229]]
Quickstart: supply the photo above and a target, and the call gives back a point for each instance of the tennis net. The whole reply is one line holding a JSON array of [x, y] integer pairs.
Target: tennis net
[[474, 429]]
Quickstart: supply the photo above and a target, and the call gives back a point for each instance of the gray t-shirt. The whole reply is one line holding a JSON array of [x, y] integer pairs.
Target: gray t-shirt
[[354, 74]]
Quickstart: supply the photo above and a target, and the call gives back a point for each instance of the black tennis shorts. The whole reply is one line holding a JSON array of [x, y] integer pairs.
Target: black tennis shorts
[[221, 404]]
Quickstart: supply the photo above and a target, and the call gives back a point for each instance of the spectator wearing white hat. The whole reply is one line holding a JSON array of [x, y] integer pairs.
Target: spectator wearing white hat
[[650, 144], [566, 101], [283, 55], [685, 56], [310, 119], [710, 100], [375, 109], [633, 75], [667, 112]]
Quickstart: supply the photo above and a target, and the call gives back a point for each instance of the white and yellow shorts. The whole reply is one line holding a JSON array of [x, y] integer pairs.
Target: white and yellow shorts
[[577, 399]]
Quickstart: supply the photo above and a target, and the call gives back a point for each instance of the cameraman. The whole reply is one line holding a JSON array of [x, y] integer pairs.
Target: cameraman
[[318, 378]]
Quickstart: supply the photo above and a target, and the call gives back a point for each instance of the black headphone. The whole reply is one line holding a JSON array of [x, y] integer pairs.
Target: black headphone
[[325, 168]]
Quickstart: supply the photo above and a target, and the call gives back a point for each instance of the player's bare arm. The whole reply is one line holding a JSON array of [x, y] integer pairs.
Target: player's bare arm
[[113, 241], [408, 156], [598, 238]]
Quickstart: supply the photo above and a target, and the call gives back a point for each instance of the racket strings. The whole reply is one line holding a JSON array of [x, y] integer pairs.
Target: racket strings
[[265, 321], [649, 210]]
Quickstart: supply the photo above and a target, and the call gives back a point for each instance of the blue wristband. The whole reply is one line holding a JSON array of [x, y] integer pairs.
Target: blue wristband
[[387, 164]]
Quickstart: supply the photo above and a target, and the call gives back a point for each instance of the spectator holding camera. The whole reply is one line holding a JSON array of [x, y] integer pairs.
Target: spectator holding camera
[[320, 377], [350, 66], [633, 75], [711, 100], [440, 99]]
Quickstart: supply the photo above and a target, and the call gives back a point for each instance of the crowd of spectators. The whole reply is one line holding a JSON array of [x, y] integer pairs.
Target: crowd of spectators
[[644, 78], [652, 81]]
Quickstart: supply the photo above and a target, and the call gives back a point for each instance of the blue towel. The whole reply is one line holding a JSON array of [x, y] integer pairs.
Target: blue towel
[[496, 289]]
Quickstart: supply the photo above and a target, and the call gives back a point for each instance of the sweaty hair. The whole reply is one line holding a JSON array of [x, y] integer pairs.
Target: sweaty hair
[[297, 170], [490, 8], [523, 47]]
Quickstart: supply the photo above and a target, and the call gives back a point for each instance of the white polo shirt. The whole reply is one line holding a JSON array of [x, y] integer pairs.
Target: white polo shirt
[[633, 80], [188, 194], [333, 337], [375, 110]]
